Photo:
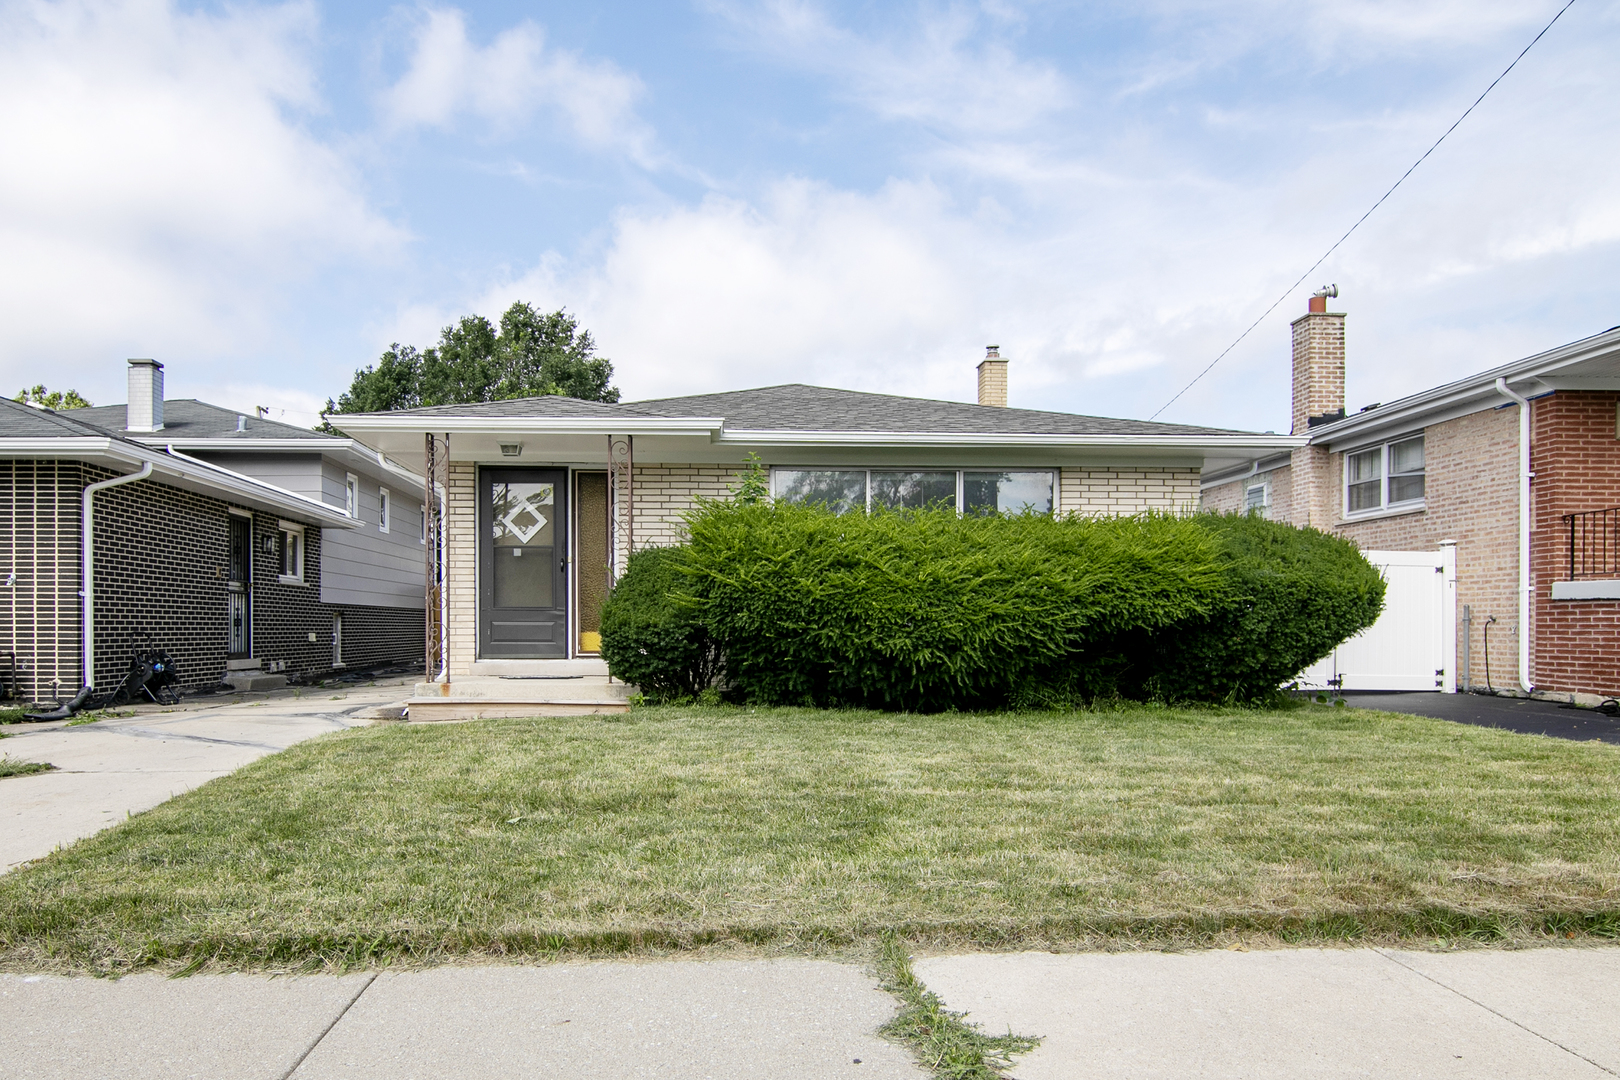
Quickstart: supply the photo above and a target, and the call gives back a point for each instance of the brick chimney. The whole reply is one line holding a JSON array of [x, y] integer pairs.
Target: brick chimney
[[145, 409], [993, 378], [1318, 363], [1318, 399]]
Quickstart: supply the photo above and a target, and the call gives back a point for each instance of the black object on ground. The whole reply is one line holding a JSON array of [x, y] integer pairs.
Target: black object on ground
[[62, 712], [1525, 715]]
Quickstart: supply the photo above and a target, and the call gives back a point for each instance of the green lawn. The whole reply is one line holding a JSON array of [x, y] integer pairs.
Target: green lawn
[[802, 830]]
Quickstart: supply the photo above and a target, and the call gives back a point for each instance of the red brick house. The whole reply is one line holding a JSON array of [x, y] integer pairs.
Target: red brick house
[[1518, 467]]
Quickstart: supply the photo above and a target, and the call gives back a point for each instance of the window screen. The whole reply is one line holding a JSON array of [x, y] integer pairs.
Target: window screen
[[1406, 470], [1364, 479]]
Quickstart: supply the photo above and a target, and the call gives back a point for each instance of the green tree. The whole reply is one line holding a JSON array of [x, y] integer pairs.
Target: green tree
[[530, 355], [54, 399]]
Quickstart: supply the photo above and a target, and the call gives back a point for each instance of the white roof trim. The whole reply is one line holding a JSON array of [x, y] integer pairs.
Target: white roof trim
[[1019, 439], [539, 425], [218, 481]]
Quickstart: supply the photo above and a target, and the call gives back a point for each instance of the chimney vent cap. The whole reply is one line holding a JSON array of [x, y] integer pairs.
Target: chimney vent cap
[[1329, 291], [992, 352]]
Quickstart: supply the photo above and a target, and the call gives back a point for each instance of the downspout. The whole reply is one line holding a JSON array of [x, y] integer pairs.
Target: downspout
[[87, 542], [1524, 531]]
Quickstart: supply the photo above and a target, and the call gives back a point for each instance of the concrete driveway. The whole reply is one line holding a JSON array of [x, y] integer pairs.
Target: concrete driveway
[[113, 768]]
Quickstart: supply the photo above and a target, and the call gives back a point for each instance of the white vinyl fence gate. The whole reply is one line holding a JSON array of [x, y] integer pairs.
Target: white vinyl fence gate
[[1413, 645]]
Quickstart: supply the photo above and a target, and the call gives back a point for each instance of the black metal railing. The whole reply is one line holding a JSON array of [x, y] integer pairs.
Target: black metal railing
[[1594, 544]]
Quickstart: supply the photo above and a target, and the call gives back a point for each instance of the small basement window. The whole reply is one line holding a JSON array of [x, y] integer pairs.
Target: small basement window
[[291, 543], [1257, 499]]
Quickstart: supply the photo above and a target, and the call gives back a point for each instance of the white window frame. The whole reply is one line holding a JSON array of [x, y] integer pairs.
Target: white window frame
[[294, 529], [1264, 505], [422, 527], [351, 496], [383, 508], [1385, 506]]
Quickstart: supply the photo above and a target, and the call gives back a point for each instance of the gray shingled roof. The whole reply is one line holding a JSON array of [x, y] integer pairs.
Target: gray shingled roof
[[188, 418], [19, 421], [797, 407]]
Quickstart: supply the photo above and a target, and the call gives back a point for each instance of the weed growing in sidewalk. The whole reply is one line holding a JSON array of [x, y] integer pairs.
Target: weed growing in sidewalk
[[10, 766], [943, 1043]]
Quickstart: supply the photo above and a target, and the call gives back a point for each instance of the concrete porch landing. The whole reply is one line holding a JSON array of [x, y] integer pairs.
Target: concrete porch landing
[[473, 697]]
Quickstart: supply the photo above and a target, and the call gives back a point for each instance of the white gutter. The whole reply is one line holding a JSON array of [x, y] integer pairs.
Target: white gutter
[[954, 438], [87, 545], [1524, 531], [542, 425]]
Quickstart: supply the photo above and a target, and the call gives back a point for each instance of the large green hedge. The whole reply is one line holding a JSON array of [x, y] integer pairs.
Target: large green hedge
[[649, 637], [926, 610], [1291, 596]]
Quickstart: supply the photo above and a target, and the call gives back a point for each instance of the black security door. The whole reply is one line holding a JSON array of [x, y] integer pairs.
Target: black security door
[[523, 551], [239, 590]]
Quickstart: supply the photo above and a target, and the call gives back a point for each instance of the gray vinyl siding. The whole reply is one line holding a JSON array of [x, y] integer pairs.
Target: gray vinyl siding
[[363, 565], [295, 472], [366, 565]]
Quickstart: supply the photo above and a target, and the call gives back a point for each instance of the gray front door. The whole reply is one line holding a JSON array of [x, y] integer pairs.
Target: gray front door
[[523, 555]]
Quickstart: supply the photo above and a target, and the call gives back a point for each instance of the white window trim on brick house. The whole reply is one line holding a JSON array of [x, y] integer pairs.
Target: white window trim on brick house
[[1384, 480], [295, 530], [1263, 504]]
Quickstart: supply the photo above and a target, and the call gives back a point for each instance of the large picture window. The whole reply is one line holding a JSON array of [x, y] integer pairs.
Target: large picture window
[[1384, 477], [972, 491]]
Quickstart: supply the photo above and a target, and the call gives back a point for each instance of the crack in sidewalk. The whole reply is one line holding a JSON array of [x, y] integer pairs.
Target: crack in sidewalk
[[327, 1030], [1494, 1012]]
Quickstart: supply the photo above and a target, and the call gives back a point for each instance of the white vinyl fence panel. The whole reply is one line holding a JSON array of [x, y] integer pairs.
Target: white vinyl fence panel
[[1413, 645]]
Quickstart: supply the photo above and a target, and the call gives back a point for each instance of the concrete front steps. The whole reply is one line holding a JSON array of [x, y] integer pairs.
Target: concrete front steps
[[522, 688]]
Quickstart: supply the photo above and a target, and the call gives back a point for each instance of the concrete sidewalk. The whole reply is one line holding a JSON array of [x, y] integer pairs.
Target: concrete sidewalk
[[116, 767], [1545, 1013], [806, 1019]]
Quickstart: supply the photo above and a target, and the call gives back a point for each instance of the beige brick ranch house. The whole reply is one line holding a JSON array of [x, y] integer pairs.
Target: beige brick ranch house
[[536, 503], [1506, 482]]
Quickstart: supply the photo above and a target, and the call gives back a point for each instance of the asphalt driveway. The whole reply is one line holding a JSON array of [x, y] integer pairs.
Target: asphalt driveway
[[1524, 715]]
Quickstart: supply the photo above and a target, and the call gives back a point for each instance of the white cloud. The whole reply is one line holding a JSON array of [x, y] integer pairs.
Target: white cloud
[[158, 185], [947, 70], [507, 81]]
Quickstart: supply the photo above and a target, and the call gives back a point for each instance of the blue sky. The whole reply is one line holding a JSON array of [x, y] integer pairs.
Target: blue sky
[[732, 194]]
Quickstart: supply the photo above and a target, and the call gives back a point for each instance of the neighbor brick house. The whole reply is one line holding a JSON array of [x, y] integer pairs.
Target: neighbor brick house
[[1519, 466], [545, 497], [238, 577]]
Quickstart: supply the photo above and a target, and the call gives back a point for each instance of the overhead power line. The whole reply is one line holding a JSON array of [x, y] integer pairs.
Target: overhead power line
[[1301, 279]]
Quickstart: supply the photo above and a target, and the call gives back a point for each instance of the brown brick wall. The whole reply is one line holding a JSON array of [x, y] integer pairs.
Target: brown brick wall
[[1318, 367], [1576, 460], [1228, 498], [1472, 498]]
